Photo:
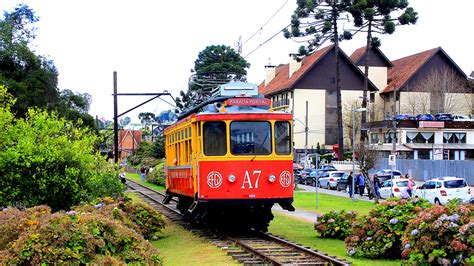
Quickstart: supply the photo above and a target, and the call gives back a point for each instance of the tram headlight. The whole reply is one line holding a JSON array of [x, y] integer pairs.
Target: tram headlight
[[231, 178], [272, 178]]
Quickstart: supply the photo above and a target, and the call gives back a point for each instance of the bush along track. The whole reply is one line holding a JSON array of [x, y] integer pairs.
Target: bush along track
[[107, 233]]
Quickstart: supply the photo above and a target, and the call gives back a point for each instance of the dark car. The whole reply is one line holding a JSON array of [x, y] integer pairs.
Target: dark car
[[343, 184], [304, 176], [404, 117], [425, 117], [386, 174], [444, 117]]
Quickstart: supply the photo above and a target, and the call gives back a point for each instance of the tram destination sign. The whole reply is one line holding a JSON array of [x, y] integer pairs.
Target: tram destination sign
[[248, 102]]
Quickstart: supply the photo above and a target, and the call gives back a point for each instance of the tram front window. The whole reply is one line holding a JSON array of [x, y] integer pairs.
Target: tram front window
[[214, 138], [250, 138]]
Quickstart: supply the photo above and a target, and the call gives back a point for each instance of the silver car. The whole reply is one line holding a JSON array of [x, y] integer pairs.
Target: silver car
[[329, 179]]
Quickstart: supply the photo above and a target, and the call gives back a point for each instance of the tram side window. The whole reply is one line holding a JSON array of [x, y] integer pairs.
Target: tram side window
[[249, 138], [282, 137], [214, 138]]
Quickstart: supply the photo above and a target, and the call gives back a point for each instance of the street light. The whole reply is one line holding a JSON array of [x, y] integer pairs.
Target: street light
[[360, 110]]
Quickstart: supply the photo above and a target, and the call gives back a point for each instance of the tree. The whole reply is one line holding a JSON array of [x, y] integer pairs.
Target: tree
[[316, 22], [366, 159], [124, 122], [158, 148], [146, 118], [49, 160], [31, 79], [215, 65], [373, 16]]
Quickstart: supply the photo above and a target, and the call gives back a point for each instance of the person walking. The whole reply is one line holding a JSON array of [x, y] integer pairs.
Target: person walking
[[349, 183], [361, 184], [142, 173], [410, 186], [377, 186]]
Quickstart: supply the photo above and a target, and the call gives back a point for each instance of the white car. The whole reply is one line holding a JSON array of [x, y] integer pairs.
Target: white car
[[440, 190], [329, 179], [462, 118], [398, 189]]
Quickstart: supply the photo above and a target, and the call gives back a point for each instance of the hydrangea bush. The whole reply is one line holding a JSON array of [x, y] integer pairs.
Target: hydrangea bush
[[100, 234], [441, 235], [335, 224], [378, 235]]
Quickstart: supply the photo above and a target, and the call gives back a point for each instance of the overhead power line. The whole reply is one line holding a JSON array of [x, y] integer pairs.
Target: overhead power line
[[261, 28], [273, 36]]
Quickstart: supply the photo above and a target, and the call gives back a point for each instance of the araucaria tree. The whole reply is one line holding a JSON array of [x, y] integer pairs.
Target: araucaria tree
[[215, 65], [316, 22], [374, 16]]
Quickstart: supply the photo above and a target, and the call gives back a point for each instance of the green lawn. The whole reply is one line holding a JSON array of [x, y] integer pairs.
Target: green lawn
[[303, 232], [136, 178], [307, 201], [178, 246]]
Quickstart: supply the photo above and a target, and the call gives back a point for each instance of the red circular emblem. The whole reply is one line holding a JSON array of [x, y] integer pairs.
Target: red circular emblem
[[214, 179], [285, 179]]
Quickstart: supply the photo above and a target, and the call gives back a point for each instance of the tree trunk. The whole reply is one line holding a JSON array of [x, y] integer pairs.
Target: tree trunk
[[363, 132], [340, 136]]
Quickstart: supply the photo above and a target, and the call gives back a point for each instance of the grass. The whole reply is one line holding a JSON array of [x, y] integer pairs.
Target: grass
[[303, 232], [307, 201], [136, 178], [178, 246]]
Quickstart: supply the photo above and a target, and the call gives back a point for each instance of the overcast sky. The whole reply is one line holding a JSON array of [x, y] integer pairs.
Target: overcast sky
[[153, 44]]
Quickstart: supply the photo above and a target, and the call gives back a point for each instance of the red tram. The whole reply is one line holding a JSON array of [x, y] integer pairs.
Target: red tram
[[229, 159]]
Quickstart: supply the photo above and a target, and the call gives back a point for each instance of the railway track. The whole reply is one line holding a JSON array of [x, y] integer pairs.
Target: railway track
[[250, 248]]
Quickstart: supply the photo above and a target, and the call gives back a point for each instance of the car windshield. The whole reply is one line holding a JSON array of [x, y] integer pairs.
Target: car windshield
[[402, 183], [337, 174], [457, 183]]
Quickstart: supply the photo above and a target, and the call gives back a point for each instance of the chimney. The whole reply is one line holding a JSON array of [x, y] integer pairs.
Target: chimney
[[269, 73], [294, 65]]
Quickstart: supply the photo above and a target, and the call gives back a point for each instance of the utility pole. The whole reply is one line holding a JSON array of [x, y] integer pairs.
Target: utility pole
[[115, 120], [306, 135], [394, 128]]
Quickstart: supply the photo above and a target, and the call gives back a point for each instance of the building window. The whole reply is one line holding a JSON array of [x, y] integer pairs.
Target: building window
[[388, 137], [424, 154], [420, 137], [374, 138], [454, 137]]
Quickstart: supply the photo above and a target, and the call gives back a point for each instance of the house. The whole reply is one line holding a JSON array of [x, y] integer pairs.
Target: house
[[427, 82], [128, 141], [312, 81]]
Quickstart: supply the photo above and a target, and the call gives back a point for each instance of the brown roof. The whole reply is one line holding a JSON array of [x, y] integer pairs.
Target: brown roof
[[281, 81], [357, 54], [404, 68]]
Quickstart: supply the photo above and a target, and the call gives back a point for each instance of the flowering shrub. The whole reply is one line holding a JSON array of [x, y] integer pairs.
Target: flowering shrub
[[157, 176], [36, 236], [335, 224], [378, 235], [441, 235]]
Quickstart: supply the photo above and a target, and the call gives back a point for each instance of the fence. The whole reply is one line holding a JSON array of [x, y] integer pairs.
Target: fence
[[422, 170]]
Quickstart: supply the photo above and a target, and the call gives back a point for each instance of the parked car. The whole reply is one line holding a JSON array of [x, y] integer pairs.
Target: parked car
[[385, 174], [462, 118], [304, 176], [404, 117], [342, 183], [316, 173], [441, 190], [394, 188], [443, 117], [425, 117], [329, 179]]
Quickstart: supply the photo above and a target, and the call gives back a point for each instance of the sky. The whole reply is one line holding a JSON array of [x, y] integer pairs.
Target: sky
[[153, 44]]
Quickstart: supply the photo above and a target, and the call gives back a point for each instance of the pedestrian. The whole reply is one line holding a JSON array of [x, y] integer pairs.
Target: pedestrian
[[367, 185], [361, 184], [142, 173], [122, 175], [349, 183], [410, 186], [377, 186]]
